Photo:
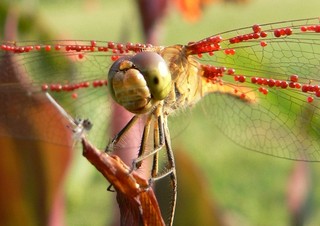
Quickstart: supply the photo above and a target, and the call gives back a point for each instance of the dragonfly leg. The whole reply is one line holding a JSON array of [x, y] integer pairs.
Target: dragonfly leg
[[142, 152], [144, 140], [110, 188], [158, 143], [172, 169], [161, 138], [119, 135]]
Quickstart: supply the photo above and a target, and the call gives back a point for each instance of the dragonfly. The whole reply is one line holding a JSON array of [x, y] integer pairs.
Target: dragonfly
[[259, 84]]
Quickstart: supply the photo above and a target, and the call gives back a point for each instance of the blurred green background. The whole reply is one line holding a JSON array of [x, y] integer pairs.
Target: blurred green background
[[249, 188]]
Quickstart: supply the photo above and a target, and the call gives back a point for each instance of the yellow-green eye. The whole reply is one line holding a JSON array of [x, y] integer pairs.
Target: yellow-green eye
[[139, 82], [114, 69], [156, 73]]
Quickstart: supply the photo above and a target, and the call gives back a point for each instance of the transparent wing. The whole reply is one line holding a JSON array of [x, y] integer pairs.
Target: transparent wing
[[275, 107], [284, 122], [73, 72]]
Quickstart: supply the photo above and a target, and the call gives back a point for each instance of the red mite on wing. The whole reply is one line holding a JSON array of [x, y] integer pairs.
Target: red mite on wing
[[272, 68], [209, 45]]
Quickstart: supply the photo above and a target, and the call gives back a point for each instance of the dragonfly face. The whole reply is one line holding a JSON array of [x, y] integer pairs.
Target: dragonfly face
[[137, 83], [260, 85]]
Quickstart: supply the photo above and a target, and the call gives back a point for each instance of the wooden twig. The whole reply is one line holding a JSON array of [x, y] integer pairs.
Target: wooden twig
[[137, 202]]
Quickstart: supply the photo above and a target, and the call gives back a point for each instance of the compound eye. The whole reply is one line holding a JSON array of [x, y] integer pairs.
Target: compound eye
[[156, 73], [113, 71]]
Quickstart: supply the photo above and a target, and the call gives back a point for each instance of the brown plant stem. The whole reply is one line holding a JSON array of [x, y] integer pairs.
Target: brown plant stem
[[137, 202]]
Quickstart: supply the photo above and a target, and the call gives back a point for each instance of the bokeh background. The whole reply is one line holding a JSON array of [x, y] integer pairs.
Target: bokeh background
[[224, 182]]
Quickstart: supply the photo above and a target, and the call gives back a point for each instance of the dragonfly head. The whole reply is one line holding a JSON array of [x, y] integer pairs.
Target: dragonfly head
[[138, 82]]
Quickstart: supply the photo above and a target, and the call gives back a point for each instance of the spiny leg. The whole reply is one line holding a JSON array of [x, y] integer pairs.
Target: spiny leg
[[119, 135], [161, 130], [157, 144], [153, 152], [172, 169], [161, 138], [142, 155], [144, 140]]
